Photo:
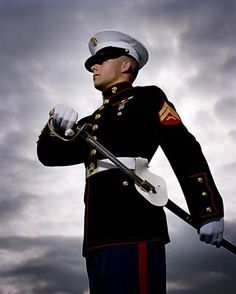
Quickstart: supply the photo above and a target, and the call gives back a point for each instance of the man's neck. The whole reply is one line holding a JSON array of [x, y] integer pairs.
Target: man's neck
[[116, 88]]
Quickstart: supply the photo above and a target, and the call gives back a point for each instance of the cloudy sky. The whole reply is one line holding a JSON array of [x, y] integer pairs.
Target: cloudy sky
[[43, 46]]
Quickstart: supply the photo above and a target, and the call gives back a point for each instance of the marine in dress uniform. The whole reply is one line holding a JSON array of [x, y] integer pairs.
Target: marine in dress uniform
[[125, 235]]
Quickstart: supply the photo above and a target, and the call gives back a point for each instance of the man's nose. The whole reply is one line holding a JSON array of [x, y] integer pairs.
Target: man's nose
[[94, 67]]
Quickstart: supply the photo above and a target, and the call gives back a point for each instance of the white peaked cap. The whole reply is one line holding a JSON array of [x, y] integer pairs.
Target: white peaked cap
[[110, 41]]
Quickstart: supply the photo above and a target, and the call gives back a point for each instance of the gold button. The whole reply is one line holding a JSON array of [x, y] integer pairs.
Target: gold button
[[119, 113], [93, 152], [125, 183], [94, 138], [97, 116], [114, 90], [91, 167], [101, 107], [204, 194], [208, 209], [51, 134], [106, 101], [95, 127], [200, 180]]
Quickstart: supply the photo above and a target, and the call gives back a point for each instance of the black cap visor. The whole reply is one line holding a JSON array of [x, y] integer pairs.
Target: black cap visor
[[99, 59], [103, 55]]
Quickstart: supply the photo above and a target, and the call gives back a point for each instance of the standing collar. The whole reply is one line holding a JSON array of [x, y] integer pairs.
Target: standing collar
[[116, 89]]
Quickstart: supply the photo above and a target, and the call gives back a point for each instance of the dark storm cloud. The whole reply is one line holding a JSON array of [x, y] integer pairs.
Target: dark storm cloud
[[59, 268], [42, 51], [198, 37], [30, 27], [34, 36], [208, 44], [194, 267], [11, 206], [203, 27]]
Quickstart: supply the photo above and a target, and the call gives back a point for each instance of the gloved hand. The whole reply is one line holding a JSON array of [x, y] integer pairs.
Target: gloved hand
[[212, 231], [64, 118]]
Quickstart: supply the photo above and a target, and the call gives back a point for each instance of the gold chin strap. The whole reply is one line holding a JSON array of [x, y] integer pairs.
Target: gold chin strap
[[77, 131]]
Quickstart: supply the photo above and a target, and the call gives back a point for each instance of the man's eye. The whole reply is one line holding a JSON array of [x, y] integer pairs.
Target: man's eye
[[101, 60]]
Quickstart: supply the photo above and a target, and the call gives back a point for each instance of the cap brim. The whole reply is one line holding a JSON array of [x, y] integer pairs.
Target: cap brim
[[99, 59]]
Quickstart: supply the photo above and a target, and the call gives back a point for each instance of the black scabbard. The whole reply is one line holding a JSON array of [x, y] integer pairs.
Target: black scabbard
[[188, 219]]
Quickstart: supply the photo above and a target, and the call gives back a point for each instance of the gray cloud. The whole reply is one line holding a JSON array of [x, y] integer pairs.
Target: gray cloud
[[225, 109], [9, 207], [193, 267], [42, 51], [233, 135], [54, 265], [58, 268], [198, 37]]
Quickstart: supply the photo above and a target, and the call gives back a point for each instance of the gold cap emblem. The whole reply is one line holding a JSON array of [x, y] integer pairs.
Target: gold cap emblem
[[94, 41]]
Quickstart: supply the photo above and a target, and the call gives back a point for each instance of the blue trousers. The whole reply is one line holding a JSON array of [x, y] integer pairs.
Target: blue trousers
[[138, 268]]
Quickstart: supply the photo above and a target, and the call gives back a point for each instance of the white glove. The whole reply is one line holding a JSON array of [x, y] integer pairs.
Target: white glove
[[64, 118], [212, 232]]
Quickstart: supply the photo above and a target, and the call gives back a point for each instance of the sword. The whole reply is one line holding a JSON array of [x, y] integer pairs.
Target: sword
[[144, 184]]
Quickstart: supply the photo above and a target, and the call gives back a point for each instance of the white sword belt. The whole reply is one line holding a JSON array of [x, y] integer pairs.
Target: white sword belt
[[106, 164]]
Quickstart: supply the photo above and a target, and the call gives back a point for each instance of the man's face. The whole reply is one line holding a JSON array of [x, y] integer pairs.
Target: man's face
[[107, 73]]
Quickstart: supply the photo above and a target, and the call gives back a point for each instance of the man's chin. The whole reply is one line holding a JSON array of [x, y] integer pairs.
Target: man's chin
[[98, 87]]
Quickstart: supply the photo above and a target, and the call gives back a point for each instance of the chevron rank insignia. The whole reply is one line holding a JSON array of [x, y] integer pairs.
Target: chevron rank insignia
[[168, 116]]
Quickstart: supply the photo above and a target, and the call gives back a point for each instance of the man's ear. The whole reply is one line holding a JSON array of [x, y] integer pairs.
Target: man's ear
[[126, 66]]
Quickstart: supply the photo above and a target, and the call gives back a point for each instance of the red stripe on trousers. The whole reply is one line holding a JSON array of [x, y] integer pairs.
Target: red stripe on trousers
[[142, 260]]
